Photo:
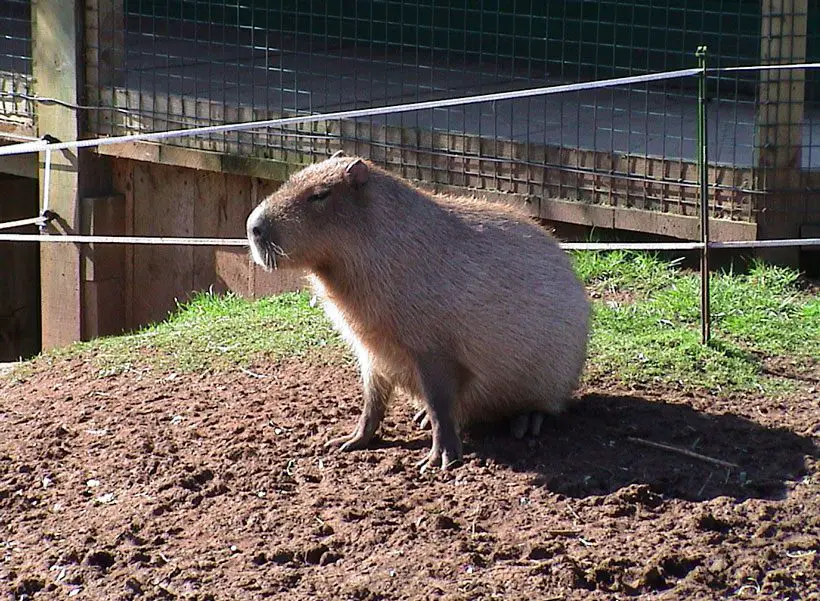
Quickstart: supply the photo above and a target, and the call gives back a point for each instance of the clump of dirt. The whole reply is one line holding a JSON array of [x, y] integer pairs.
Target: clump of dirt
[[205, 486]]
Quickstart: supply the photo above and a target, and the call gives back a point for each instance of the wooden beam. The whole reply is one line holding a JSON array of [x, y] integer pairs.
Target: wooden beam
[[55, 40], [609, 217]]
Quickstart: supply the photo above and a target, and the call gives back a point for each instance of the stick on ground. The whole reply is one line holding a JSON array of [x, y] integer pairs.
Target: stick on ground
[[681, 451]]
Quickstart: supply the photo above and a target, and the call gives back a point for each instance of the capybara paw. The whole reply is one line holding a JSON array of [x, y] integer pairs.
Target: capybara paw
[[525, 423], [422, 420], [351, 442], [441, 457]]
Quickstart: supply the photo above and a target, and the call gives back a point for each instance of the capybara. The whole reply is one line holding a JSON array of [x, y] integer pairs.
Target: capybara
[[468, 306]]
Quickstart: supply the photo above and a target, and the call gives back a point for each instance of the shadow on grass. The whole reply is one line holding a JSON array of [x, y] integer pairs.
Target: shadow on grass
[[587, 451]]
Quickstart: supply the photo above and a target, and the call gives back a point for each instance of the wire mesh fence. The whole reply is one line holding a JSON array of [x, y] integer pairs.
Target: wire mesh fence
[[165, 65], [15, 62]]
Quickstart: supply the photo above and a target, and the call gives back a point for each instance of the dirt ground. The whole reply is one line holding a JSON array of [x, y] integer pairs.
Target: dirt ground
[[216, 486]]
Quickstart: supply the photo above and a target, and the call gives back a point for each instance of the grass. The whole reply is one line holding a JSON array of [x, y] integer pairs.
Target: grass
[[647, 323], [646, 328], [217, 332]]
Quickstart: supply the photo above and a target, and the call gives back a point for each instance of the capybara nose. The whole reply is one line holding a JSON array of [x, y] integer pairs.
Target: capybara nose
[[258, 228]]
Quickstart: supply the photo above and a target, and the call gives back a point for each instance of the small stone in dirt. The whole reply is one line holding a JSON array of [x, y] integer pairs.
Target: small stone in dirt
[[328, 558], [710, 523], [654, 580], [134, 585], [539, 552], [29, 586], [281, 556], [314, 555], [445, 522], [100, 559], [140, 557], [640, 494]]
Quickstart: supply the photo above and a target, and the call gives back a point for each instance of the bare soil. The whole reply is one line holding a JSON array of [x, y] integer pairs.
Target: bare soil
[[216, 486]]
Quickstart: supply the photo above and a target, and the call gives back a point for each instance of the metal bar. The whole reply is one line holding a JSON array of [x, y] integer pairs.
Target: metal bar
[[703, 177]]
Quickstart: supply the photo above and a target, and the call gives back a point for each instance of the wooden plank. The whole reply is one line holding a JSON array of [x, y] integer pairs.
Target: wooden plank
[[604, 216], [231, 264], [123, 183], [210, 199], [55, 46], [164, 205]]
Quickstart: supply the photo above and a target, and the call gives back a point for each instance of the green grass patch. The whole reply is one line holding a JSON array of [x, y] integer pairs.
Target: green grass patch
[[646, 328], [217, 332], [655, 334]]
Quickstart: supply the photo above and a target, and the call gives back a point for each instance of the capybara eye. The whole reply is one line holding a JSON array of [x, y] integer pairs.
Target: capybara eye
[[320, 194]]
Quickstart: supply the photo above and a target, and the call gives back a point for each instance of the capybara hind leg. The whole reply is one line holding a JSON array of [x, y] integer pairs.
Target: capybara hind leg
[[377, 391], [439, 383], [524, 423], [422, 420]]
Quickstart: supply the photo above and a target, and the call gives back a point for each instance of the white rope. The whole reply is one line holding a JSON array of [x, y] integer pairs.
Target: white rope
[[21, 222], [243, 242], [11, 136], [764, 67], [79, 239], [46, 181], [350, 114], [766, 243]]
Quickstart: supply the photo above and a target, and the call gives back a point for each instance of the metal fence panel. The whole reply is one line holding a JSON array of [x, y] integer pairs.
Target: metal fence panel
[[15, 63]]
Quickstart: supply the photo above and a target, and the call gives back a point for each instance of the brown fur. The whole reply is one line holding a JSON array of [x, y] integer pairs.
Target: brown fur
[[448, 290]]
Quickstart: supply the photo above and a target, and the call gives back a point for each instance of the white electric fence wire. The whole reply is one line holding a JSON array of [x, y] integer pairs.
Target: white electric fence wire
[[43, 145], [243, 242], [350, 114], [7, 225], [46, 180]]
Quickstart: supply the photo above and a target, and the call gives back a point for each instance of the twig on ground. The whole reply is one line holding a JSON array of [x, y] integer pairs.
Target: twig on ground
[[681, 451], [252, 374]]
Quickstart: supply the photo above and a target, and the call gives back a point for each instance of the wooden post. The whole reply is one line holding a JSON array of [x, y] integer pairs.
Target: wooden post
[[778, 132], [58, 69]]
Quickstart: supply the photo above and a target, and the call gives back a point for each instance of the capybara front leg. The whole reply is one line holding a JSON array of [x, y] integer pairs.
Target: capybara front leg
[[439, 383], [377, 391]]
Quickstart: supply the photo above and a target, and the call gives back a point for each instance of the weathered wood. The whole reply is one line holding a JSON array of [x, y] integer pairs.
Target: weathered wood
[[209, 204], [123, 183], [163, 205], [55, 53], [103, 267], [608, 217], [779, 124], [231, 264]]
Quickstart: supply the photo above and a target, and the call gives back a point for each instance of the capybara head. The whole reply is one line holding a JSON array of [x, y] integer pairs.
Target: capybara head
[[304, 222]]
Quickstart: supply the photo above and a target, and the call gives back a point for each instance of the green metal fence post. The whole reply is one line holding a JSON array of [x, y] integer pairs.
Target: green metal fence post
[[703, 180]]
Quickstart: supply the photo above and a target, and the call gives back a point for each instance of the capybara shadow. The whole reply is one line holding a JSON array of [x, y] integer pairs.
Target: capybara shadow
[[595, 448]]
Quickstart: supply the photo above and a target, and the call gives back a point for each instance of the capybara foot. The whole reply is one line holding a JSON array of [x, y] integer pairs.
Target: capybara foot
[[352, 442], [525, 423], [441, 458], [422, 420], [445, 454]]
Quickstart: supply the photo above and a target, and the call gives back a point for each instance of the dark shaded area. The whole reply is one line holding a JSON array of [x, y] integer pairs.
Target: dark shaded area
[[587, 451]]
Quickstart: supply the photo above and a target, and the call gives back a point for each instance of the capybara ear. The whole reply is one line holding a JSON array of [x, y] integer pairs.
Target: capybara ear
[[356, 174]]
